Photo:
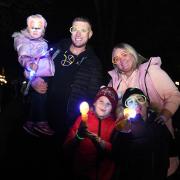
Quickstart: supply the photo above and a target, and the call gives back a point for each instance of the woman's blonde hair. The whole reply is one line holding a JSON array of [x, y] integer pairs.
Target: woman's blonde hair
[[138, 58]]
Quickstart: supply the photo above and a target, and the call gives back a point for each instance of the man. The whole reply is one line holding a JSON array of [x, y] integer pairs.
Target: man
[[78, 76]]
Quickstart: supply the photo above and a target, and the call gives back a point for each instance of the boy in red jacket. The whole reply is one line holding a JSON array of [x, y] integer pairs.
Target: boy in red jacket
[[89, 141]]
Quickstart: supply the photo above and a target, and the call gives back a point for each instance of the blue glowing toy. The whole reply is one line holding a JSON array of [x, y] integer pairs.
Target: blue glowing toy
[[33, 73]]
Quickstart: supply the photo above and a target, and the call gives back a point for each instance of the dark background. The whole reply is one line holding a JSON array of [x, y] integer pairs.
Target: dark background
[[152, 27]]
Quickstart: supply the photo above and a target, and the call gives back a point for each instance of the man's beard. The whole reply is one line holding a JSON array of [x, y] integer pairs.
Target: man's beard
[[79, 46]]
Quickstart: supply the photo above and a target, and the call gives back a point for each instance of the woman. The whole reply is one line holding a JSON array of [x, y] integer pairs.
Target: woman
[[129, 71]]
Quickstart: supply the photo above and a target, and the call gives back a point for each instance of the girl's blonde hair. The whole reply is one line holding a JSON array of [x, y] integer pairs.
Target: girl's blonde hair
[[39, 16]]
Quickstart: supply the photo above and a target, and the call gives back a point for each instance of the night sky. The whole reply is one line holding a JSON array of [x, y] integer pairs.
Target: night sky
[[153, 28]]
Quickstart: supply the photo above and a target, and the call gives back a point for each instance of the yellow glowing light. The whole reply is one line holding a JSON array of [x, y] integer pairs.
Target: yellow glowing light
[[129, 113], [84, 109]]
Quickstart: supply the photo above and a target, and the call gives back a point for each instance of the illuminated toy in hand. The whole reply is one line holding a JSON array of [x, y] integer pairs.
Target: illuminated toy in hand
[[134, 101], [31, 74], [124, 124], [84, 109], [129, 113]]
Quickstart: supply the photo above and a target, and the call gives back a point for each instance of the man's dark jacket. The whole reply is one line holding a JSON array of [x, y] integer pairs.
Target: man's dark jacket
[[83, 83]]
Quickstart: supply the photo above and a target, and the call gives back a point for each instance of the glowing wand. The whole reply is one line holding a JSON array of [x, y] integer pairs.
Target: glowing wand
[[32, 73]]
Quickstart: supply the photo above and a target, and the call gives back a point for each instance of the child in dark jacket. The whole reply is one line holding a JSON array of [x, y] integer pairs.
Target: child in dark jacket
[[140, 145], [89, 141]]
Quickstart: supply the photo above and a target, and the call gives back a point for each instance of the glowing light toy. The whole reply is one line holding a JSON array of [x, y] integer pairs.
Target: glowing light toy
[[84, 109], [129, 113], [124, 124], [32, 73]]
